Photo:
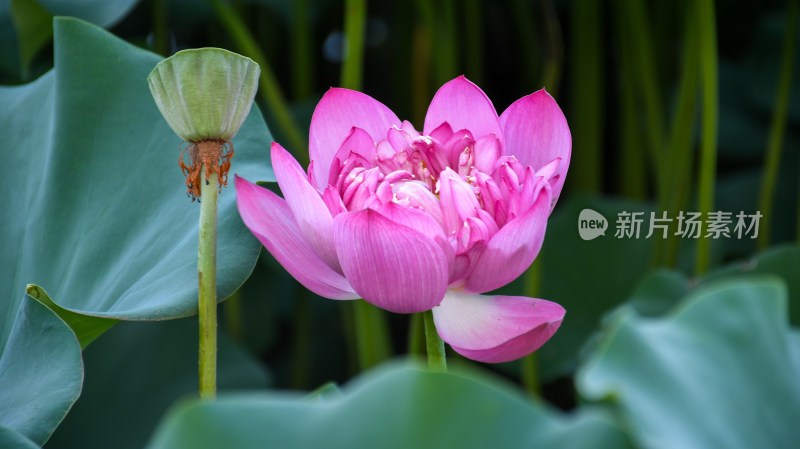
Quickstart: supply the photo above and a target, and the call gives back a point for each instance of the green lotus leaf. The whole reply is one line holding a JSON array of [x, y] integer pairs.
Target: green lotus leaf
[[96, 216], [721, 370], [133, 377], [41, 372], [393, 406]]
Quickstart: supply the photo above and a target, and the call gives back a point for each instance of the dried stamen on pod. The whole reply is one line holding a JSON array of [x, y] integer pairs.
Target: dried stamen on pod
[[214, 154]]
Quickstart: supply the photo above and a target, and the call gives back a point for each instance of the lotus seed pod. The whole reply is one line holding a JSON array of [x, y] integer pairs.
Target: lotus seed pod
[[204, 93]]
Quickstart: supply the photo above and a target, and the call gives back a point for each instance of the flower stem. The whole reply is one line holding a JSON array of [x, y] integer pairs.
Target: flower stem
[[707, 36], [529, 374], [207, 293], [436, 356]]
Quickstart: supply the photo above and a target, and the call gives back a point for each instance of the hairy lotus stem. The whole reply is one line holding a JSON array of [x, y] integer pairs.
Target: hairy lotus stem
[[207, 280]]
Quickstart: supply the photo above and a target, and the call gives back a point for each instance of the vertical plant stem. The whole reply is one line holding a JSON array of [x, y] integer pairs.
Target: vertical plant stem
[[777, 129], [301, 341], [440, 24], [473, 39], [207, 293], [302, 50], [640, 41], [372, 336], [681, 137], [631, 156], [233, 316], [553, 49], [354, 22], [707, 33], [532, 288], [416, 332], [527, 39], [447, 58], [434, 344], [587, 84], [420, 68], [530, 375], [268, 85], [160, 31]]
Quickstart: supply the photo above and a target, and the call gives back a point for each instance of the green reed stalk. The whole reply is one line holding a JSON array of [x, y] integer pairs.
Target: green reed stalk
[[777, 129], [270, 89], [707, 37]]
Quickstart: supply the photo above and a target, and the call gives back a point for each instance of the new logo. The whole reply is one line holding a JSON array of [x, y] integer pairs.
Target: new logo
[[591, 224]]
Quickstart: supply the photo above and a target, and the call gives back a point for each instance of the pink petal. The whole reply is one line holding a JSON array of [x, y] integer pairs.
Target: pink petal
[[336, 114], [463, 105], [416, 195], [442, 133], [536, 133], [269, 218], [308, 208], [487, 152], [358, 149], [333, 201], [457, 199], [390, 265], [512, 250], [495, 329], [422, 222]]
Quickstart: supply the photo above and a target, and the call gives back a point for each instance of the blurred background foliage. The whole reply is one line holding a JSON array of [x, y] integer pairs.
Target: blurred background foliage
[[673, 106]]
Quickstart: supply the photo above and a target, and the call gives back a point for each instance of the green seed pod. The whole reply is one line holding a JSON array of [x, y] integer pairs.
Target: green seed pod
[[204, 93]]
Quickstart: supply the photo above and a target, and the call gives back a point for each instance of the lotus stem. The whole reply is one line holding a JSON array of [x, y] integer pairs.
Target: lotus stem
[[435, 346], [529, 372], [207, 278]]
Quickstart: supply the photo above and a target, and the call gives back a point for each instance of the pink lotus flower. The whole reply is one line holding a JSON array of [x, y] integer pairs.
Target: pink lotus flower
[[415, 221]]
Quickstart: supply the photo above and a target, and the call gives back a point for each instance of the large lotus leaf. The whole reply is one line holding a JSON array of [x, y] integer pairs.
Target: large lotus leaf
[[720, 371], [10, 439], [394, 406], [659, 292], [135, 372], [98, 216], [782, 262], [40, 373], [96, 213], [21, 23]]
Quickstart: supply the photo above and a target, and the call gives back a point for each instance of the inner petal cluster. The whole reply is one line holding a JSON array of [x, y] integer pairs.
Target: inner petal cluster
[[467, 184]]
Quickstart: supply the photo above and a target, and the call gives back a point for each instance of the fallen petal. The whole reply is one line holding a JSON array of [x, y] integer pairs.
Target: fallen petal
[[495, 329]]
